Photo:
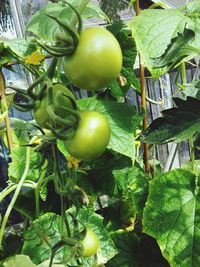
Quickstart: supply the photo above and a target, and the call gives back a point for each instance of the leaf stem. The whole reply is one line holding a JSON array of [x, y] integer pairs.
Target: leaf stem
[[159, 4], [80, 9], [192, 153], [37, 190], [183, 73], [12, 187]]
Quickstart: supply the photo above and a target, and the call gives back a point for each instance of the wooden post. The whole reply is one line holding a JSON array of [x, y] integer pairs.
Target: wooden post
[[143, 100], [7, 120]]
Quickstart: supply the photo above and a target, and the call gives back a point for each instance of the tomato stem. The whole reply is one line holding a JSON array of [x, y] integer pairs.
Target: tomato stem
[[80, 9], [37, 190], [183, 73], [192, 153]]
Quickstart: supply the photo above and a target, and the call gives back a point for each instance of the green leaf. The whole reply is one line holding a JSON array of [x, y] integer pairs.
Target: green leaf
[[129, 53], [192, 90], [165, 38], [122, 189], [6, 55], [190, 166], [16, 167], [128, 247], [49, 226], [46, 28], [20, 47], [153, 31], [94, 221], [135, 251], [177, 124], [93, 11], [176, 51], [172, 217], [25, 204], [19, 260], [46, 264], [123, 121], [21, 131]]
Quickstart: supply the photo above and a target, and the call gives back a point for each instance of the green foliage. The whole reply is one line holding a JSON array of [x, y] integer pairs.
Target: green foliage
[[135, 251], [139, 222], [129, 56], [107, 248], [192, 89], [48, 226], [128, 247], [123, 122], [163, 39], [16, 167], [40, 23], [117, 178], [177, 124], [19, 260], [20, 47], [15, 49], [172, 216]]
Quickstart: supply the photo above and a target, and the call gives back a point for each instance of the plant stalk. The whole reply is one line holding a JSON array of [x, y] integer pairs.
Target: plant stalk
[[143, 99], [7, 120], [80, 9], [10, 189], [37, 190], [192, 153], [183, 73]]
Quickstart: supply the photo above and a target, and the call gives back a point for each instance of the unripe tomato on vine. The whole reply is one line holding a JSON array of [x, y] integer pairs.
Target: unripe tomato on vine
[[91, 136], [96, 62], [90, 243], [61, 98]]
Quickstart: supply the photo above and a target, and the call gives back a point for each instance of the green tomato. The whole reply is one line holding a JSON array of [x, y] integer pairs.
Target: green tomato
[[90, 243], [40, 113], [96, 62], [91, 136]]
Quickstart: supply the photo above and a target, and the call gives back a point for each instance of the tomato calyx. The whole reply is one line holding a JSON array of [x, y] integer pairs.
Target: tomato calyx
[[57, 111], [67, 40]]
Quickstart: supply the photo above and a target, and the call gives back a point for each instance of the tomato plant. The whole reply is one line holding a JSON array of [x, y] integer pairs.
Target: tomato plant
[[91, 136], [62, 97], [110, 182], [90, 243], [97, 60]]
